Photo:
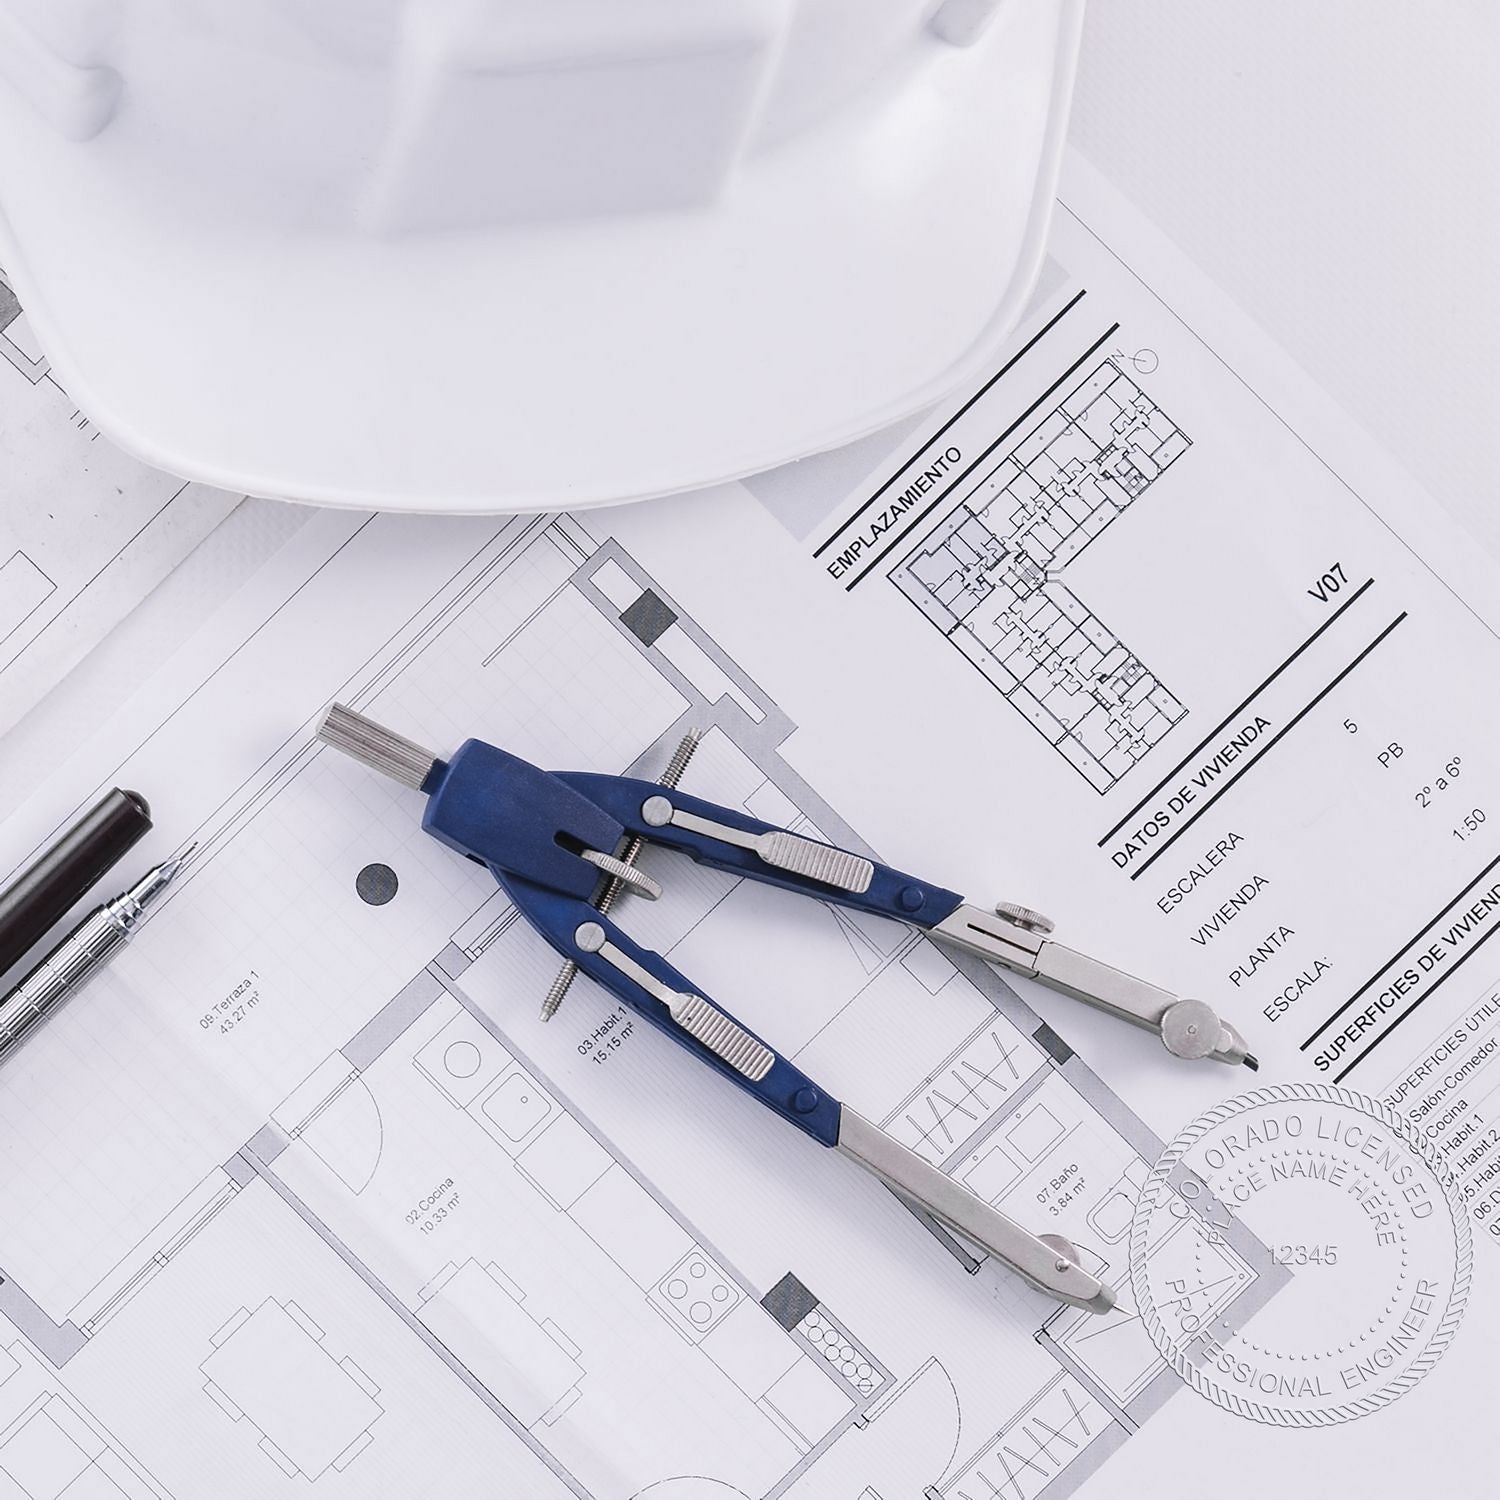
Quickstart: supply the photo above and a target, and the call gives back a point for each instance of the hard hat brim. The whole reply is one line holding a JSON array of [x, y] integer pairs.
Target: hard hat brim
[[848, 278]]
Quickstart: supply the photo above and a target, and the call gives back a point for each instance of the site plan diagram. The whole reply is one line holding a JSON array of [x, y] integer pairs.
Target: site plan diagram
[[358, 1207], [991, 575]]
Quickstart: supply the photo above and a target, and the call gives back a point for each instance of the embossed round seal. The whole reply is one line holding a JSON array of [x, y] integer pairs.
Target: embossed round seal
[[1300, 1255]]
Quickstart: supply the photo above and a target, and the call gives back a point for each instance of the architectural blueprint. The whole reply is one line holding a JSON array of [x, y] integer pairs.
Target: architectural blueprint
[[412, 1219], [303, 1198], [990, 577], [85, 531]]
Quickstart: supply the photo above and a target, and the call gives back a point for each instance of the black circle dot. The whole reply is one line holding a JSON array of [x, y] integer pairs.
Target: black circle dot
[[376, 884]]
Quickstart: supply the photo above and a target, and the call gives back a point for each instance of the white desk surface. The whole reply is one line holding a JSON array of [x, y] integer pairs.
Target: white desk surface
[[1333, 165]]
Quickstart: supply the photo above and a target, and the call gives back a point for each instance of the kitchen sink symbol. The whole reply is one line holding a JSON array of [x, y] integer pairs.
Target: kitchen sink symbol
[[516, 1106]]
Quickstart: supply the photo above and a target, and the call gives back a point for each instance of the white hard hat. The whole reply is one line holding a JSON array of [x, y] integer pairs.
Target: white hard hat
[[520, 254]]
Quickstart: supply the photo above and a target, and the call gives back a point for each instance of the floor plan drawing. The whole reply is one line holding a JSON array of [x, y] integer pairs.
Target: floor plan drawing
[[311, 1410], [51, 1446], [85, 530], [564, 1251], [991, 575]]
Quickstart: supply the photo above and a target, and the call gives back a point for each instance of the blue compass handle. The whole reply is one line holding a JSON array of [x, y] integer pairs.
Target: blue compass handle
[[891, 893], [784, 1088]]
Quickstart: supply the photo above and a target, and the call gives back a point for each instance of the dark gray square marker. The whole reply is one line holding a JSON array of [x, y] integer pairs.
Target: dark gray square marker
[[649, 618], [789, 1302]]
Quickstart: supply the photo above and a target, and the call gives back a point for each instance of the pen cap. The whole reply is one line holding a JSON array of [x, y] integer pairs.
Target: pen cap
[[42, 893]]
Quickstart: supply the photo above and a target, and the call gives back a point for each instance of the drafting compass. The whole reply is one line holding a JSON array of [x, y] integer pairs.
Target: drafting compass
[[548, 838]]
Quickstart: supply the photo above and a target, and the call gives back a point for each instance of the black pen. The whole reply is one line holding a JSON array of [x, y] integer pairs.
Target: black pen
[[44, 892]]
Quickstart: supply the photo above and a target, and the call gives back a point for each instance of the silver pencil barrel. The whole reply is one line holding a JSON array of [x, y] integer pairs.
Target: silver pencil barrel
[[80, 955], [58, 977]]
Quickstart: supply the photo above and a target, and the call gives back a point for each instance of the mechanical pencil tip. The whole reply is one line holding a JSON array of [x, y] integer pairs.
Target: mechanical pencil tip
[[178, 860]]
